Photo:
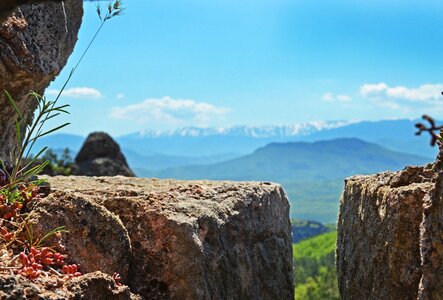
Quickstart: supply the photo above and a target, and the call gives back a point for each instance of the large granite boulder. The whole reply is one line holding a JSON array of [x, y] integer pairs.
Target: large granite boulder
[[193, 239], [35, 43], [390, 235], [100, 155]]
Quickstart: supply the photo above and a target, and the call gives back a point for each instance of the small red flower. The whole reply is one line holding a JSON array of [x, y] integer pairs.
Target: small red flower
[[59, 259], [24, 260], [5, 234], [30, 272], [71, 270], [46, 256]]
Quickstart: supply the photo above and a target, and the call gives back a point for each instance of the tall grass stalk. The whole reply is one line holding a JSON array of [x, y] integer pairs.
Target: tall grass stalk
[[22, 169]]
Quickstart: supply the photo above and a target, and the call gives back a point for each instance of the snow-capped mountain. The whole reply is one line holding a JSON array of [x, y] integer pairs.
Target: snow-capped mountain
[[194, 141], [278, 131]]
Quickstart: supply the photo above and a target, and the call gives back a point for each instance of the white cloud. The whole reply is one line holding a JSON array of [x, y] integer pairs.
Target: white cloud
[[392, 105], [424, 93], [120, 96], [170, 112], [78, 92], [330, 97], [344, 98]]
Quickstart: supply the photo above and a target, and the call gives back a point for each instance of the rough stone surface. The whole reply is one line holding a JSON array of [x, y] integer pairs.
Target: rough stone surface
[[17, 287], [96, 239], [431, 238], [389, 232], [100, 155], [98, 286], [198, 239], [7, 7], [91, 286], [35, 43]]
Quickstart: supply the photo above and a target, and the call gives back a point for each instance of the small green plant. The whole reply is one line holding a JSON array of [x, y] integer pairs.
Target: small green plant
[[20, 171], [22, 252]]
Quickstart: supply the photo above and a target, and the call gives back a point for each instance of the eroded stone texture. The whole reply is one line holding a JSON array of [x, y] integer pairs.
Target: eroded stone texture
[[198, 239], [381, 229], [100, 155], [98, 286], [96, 239], [431, 238], [7, 7], [91, 286], [35, 43]]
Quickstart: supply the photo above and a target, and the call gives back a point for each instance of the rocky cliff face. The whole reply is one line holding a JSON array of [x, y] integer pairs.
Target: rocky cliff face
[[7, 7], [390, 235], [35, 43], [173, 239]]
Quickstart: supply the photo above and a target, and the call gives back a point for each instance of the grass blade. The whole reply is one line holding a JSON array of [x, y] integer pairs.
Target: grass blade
[[14, 105], [50, 233]]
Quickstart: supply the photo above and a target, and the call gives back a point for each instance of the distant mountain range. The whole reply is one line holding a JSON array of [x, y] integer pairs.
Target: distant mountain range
[[240, 140], [322, 160], [245, 131], [234, 141], [397, 135], [311, 173]]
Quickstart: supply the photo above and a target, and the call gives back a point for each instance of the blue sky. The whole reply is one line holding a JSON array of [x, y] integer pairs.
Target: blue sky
[[172, 63]]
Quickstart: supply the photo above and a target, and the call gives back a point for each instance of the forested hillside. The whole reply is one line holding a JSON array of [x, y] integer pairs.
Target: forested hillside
[[315, 272]]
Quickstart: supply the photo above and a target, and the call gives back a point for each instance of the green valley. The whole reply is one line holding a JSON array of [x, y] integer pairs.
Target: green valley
[[314, 268]]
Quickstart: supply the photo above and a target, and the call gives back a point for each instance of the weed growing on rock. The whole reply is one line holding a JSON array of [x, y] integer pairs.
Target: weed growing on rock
[[432, 129], [22, 252], [21, 170]]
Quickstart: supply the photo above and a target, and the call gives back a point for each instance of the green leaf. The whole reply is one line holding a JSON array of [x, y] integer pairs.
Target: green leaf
[[50, 117], [50, 233], [63, 111], [62, 106], [14, 105], [18, 132], [34, 159], [38, 182], [35, 170], [50, 131]]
